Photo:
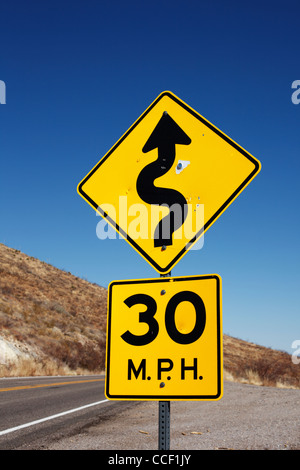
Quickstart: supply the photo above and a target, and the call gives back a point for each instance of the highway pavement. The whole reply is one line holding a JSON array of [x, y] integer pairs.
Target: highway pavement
[[72, 413], [40, 409]]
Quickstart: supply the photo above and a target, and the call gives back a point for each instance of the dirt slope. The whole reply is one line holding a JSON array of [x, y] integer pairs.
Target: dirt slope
[[47, 313], [54, 322]]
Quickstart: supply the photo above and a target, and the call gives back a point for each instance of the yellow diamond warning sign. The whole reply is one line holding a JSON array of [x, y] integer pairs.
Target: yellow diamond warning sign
[[167, 180]]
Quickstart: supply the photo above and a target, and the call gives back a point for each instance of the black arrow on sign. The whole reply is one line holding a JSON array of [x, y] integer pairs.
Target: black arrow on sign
[[164, 137]]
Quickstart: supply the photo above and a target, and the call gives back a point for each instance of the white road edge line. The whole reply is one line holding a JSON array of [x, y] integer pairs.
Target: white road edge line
[[38, 421]]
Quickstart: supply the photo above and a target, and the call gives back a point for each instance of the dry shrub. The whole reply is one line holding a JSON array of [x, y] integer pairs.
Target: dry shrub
[[77, 355], [29, 367], [246, 362], [271, 370]]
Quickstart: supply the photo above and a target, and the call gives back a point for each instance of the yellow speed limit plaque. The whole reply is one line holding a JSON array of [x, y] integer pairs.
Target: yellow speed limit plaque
[[164, 339]]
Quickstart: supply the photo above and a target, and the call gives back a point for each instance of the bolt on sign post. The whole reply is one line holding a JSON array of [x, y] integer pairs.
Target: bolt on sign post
[[164, 336]]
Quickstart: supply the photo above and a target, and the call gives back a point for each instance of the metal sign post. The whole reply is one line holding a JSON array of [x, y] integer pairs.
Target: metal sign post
[[164, 416], [164, 425]]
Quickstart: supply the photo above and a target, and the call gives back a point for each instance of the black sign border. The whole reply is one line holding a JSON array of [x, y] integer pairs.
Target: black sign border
[[156, 266], [219, 341]]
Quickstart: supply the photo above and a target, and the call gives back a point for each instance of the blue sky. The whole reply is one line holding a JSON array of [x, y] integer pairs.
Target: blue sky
[[79, 73]]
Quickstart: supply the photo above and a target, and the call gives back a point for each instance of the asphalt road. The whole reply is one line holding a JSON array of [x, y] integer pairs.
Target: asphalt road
[[72, 413], [36, 409], [248, 417]]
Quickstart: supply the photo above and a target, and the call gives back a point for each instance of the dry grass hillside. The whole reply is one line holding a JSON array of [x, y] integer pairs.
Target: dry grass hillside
[[52, 322], [251, 363]]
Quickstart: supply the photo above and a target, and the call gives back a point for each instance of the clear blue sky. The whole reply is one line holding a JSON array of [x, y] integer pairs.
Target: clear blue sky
[[79, 73]]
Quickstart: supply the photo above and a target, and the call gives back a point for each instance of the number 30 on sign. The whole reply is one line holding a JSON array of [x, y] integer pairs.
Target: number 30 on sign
[[164, 339]]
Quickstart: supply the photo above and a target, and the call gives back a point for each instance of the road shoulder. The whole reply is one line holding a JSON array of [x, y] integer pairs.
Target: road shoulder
[[247, 417]]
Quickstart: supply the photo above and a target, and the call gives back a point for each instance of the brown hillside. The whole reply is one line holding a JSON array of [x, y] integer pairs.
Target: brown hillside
[[52, 322], [50, 315], [251, 363]]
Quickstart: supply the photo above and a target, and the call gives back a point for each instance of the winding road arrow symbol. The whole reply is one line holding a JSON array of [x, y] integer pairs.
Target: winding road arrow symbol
[[164, 137]]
